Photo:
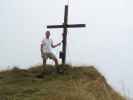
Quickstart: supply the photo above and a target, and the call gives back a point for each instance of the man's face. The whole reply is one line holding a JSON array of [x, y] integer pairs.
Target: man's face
[[47, 34]]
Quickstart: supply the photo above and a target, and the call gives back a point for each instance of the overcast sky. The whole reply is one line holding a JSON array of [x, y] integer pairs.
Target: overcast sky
[[105, 42]]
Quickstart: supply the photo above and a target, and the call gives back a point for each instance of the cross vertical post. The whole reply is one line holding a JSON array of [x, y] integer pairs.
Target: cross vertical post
[[65, 27], [65, 35]]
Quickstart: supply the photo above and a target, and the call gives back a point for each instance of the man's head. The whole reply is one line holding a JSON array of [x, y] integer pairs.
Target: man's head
[[47, 34]]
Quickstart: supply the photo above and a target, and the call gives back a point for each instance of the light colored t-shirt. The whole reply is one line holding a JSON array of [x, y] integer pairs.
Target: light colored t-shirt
[[47, 45]]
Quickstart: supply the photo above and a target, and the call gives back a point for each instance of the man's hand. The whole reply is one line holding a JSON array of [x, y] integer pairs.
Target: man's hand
[[60, 43], [54, 46]]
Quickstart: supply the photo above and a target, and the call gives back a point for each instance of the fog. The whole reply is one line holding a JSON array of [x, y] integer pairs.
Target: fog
[[105, 42]]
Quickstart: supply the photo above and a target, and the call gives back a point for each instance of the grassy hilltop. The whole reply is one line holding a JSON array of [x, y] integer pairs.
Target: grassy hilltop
[[76, 83]]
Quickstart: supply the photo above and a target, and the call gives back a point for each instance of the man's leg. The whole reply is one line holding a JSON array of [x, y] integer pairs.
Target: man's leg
[[41, 75], [56, 65], [44, 64], [56, 61], [44, 61], [53, 57]]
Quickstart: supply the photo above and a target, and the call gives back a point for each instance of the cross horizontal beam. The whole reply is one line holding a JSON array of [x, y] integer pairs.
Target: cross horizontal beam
[[66, 26]]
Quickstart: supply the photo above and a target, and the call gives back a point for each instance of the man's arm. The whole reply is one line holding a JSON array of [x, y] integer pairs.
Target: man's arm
[[54, 46]]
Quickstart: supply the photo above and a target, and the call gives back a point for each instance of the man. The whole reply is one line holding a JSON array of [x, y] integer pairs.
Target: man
[[46, 46]]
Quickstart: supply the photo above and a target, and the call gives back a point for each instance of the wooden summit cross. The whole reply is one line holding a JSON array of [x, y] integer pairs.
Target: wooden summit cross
[[65, 26]]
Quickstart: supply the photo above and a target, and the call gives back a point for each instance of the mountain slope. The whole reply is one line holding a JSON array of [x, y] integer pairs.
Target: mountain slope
[[75, 83]]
